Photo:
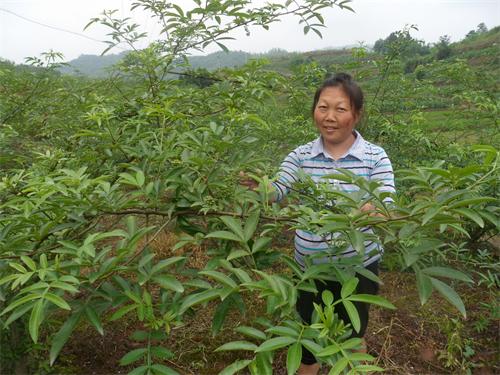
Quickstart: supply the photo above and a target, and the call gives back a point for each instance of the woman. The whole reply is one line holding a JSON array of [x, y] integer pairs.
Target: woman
[[336, 110]]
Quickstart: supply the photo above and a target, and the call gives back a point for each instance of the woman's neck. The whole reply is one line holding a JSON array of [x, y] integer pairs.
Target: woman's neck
[[338, 150]]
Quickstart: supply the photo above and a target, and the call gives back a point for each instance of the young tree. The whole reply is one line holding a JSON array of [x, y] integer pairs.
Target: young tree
[[443, 48]]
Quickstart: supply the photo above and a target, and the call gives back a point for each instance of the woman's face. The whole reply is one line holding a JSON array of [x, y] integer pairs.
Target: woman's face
[[334, 117]]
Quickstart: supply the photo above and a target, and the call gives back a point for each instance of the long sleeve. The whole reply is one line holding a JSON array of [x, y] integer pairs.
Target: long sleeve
[[287, 175], [383, 172]]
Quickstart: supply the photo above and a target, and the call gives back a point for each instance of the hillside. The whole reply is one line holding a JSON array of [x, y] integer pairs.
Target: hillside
[[481, 49], [92, 65]]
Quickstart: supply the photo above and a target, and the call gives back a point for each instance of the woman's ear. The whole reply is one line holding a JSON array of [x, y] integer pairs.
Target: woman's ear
[[357, 117]]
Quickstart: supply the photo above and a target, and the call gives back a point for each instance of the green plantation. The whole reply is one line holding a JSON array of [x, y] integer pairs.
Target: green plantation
[[129, 245]]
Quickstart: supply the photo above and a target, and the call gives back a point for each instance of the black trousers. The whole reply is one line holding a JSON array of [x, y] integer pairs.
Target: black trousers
[[305, 306]]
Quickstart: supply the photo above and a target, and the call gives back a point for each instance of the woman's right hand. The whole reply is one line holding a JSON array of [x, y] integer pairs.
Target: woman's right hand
[[247, 181]]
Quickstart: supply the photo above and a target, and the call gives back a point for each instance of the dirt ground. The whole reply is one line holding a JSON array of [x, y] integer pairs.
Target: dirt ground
[[413, 339], [409, 340]]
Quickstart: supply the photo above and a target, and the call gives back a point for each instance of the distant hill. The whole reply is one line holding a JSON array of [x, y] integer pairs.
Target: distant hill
[[480, 48], [92, 65], [98, 66]]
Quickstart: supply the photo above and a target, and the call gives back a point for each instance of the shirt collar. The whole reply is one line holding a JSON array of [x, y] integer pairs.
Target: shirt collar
[[357, 149]]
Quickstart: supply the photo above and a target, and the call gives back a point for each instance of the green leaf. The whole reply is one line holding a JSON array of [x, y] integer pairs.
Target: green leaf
[[169, 282], [339, 366], [410, 258], [274, 343], [139, 370], [431, 212], [235, 254], [370, 298], [63, 286], [260, 244], [318, 33], [450, 295], [94, 319], [145, 260], [293, 358], [224, 235], [471, 214], [242, 275], [220, 314], [139, 177], [283, 331], [471, 201], [368, 368], [8, 278], [235, 367], [424, 286], [449, 273], [161, 352], [198, 298], [327, 297], [163, 370], [56, 300], [17, 313], [353, 314], [368, 274], [165, 263], [493, 219], [237, 345], [353, 342], [234, 225], [139, 335], [29, 262], [358, 241], [251, 225], [220, 277], [460, 229], [63, 334], [251, 332], [262, 364], [349, 287], [18, 267], [132, 356], [21, 301], [311, 346], [360, 357], [198, 284], [36, 318], [223, 47], [122, 311], [330, 350]]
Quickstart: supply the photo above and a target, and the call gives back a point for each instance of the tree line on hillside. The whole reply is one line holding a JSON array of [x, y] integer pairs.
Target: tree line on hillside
[[415, 52]]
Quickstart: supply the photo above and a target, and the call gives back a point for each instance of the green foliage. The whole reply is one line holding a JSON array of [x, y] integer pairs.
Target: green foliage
[[402, 43], [443, 47]]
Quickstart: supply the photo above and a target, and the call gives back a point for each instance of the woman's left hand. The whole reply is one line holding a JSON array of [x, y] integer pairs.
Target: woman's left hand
[[370, 208]]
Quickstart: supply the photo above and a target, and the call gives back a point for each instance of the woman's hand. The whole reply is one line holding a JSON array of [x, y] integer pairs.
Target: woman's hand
[[247, 181], [370, 209], [251, 183]]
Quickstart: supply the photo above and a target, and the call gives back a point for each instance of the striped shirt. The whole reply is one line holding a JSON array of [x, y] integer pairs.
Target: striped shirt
[[363, 159]]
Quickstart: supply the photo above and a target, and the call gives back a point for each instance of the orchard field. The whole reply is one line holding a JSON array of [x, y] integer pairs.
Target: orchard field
[[129, 245]]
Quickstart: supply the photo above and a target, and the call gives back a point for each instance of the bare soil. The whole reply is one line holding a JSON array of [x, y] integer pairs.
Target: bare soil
[[409, 340], [413, 339]]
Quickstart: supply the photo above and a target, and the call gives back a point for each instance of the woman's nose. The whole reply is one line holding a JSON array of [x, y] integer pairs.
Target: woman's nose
[[330, 116]]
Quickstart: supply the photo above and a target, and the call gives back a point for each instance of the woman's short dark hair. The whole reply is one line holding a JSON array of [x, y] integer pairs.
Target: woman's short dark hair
[[350, 87]]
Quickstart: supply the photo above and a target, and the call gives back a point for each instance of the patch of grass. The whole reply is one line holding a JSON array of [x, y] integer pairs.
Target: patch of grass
[[461, 126]]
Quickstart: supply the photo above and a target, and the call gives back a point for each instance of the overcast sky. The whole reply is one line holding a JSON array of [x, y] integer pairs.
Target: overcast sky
[[22, 33]]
